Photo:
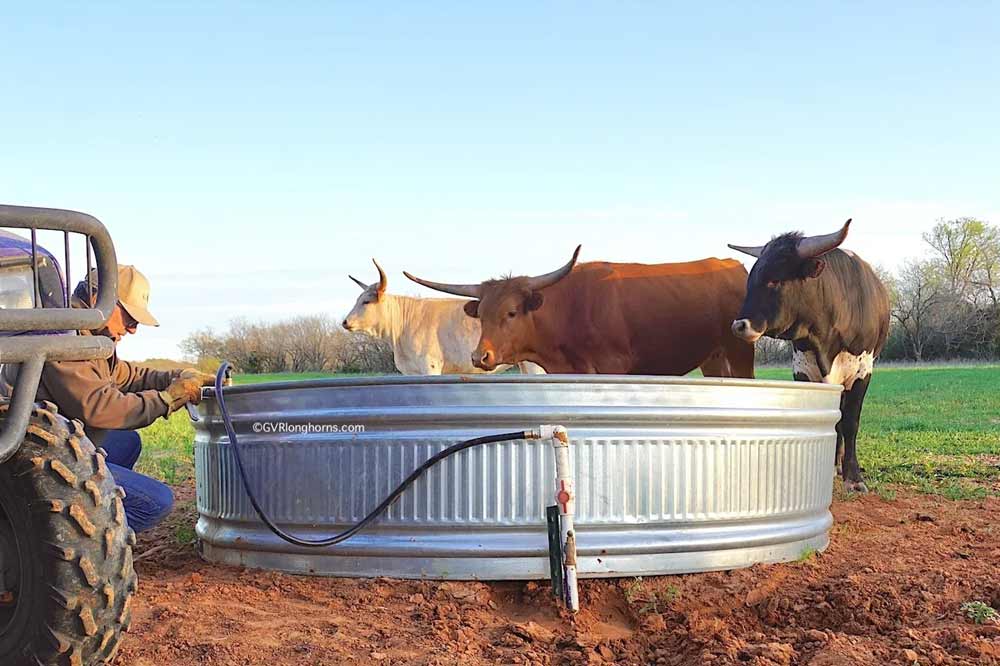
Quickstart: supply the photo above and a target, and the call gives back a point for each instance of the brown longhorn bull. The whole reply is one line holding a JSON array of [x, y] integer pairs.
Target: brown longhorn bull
[[601, 317]]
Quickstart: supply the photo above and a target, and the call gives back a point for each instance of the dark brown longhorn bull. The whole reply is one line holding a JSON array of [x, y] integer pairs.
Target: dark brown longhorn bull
[[835, 311]]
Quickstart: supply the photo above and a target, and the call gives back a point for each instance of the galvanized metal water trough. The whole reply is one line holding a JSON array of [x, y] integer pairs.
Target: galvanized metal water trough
[[672, 474]]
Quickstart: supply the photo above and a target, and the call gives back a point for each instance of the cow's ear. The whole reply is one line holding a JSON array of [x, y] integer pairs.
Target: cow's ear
[[813, 268], [533, 302], [472, 309]]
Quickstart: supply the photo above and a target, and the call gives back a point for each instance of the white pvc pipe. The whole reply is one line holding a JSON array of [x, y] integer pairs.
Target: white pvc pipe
[[566, 500]]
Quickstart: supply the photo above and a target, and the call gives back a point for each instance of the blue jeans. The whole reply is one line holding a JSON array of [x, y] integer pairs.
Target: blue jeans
[[147, 501]]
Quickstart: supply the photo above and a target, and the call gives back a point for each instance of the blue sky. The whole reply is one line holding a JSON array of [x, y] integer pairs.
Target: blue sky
[[247, 157]]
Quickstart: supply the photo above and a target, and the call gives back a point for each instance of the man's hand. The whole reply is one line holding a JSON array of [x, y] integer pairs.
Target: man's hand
[[182, 391], [206, 378]]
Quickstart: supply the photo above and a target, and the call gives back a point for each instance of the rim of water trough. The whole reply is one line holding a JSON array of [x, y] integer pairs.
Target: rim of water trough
[[514, 378]]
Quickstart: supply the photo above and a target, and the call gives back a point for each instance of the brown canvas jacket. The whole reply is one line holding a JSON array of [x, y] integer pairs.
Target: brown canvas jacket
[[106, 394]]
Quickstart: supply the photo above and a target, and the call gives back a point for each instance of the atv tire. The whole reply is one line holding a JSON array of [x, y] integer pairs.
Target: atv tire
[[72, 577]]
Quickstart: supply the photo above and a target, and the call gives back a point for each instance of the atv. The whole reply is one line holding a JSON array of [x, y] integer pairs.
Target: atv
[[66, 575]]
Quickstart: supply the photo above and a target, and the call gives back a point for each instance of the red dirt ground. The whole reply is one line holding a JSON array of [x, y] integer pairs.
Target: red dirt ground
[[887, 591]]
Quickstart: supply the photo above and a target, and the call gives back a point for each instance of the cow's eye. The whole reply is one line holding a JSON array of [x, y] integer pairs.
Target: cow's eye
[[773, 284], [512, 314]]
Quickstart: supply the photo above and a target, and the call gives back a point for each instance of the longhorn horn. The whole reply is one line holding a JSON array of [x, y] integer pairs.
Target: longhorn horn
[[471, 290], [755, 251], [549, 279], [359, 282], [383, 282], [814, 246]]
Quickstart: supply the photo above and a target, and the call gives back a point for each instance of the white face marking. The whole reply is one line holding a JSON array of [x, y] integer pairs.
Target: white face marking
[[845, 370]]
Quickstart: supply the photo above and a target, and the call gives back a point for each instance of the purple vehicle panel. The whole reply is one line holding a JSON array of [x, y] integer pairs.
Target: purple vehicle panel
[[16, 279]]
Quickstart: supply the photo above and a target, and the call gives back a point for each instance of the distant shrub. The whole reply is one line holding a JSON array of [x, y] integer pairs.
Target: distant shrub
[[208, 364], [303, 344]]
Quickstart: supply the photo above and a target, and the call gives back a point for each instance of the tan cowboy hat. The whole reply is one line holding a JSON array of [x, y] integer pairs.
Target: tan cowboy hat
[[133, 293]]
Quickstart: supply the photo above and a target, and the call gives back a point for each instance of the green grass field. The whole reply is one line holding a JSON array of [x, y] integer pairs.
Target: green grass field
[[933, 429]]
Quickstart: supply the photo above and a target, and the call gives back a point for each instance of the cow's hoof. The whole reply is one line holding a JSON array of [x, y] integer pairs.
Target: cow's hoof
[[855, 486]]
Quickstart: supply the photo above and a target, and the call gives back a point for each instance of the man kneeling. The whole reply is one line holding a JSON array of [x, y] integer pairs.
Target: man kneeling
[[113, 397]]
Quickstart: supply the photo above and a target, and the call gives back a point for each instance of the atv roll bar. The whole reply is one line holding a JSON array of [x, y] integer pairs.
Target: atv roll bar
[[31, 351]]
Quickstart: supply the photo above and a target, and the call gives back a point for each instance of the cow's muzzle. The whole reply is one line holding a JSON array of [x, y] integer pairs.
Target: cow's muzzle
[[485, 360], [743, 329]]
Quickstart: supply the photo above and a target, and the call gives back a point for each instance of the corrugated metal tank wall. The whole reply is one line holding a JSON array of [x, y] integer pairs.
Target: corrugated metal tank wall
[[672, 475]]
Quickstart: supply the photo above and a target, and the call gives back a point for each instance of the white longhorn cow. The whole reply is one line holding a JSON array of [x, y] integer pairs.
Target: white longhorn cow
[[429, 336]]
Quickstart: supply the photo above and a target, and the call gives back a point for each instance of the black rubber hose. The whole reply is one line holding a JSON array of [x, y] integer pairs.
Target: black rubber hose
[[379, 510]]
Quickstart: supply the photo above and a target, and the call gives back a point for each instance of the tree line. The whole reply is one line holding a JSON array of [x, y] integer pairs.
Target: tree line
[[314, 343], [945, 306]]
